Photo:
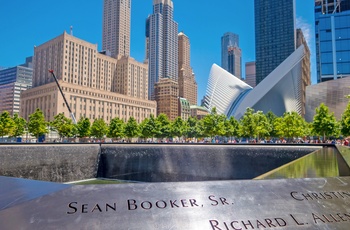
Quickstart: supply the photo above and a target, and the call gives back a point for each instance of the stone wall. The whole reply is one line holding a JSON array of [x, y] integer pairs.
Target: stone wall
[[56, 163]]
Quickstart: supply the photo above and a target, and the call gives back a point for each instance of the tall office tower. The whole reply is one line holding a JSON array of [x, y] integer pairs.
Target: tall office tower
[[161, 34], [187, 81], [332, 32], [250, 73], [94, 84], [274, 34], [234, 61], [305, 70], [12, 82], [167, 97], [231, 54], [116, 27]]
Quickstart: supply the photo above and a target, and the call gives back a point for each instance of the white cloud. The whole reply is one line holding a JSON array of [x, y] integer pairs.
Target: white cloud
[[306, 28], [308, 32]]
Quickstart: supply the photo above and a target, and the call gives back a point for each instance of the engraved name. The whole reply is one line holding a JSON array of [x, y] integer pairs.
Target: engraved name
[[319, 196], [248, 224], [75, 207]]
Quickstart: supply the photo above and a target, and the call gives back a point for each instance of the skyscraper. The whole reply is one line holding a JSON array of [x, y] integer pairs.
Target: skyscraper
[[332, 32], [234, 61], [116, 27], [250, 74], [231, 59], [187, 81], [12, 82], [274, 34], [162, 40]]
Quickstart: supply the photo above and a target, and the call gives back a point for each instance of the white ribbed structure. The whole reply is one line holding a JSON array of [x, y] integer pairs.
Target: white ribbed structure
[[279, 92], [223, 89]]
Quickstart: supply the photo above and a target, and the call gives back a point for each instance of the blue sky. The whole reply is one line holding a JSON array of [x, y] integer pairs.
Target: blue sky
[[26, 23]]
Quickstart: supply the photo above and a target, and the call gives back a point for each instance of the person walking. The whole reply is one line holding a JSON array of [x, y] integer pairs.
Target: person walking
[[346, 142]]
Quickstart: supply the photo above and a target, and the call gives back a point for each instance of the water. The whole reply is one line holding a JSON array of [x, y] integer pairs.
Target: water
[[170, 163], [327, 162]]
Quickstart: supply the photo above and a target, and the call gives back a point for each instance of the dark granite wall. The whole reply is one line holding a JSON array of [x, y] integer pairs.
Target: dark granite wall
[[144, 162], [56, 163], [165, 163]]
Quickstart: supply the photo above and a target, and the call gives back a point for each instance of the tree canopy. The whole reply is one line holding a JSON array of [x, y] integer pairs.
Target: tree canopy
[[99, 128], [324, 123], [63, 125], [84, 127], [345, 121], [20, 125], [116, 128], [131, 128], [37, 126], [290, 125], [7, 125]]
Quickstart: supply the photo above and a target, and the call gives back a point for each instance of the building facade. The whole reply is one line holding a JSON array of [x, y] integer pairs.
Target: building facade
[[166, 93], [12, 82], [116, 27], [162, 44], [199, 111], [332, 93], [274, 34], [229, 41], [187, 82], [90, 81], [184, 109], [250, 73], [132, 78], [332, 33], [305, 69], [234, 59]]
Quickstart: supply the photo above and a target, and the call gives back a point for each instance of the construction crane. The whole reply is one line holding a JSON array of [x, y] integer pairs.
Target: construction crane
[[64, 98]]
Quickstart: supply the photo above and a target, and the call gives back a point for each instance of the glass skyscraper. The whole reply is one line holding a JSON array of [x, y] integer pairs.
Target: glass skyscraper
[[231, 58], [332, 33], [12, 82], [162, 44], [275, 34]]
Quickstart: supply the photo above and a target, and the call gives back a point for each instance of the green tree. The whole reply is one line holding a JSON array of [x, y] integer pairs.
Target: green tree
[[99, 128], [164, 126], [84, 127], [131, 128], [20, 125], [193, 129], [7, 125], [116, 128], [214, 124], [345, 121], [291, 125], [149, 128], [271, 117], [247, 124], [231, 127], [178, 127], [324, 123], [145, 131], [262, 125], [37, 126], [63, 125]]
